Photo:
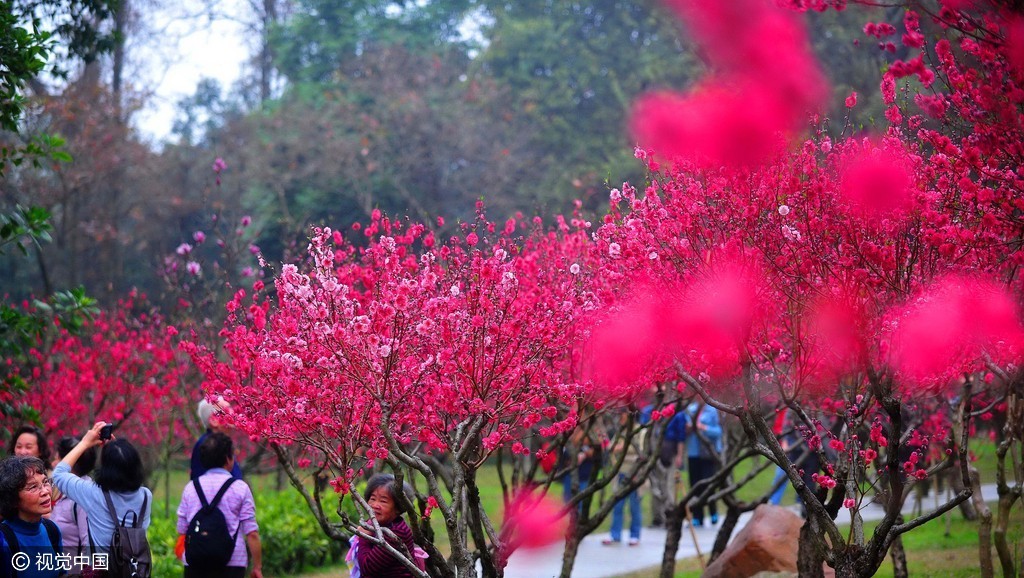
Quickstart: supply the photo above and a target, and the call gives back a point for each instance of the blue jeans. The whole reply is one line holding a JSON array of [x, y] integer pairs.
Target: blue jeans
[[567, 491], [635, 515], [776, 498]]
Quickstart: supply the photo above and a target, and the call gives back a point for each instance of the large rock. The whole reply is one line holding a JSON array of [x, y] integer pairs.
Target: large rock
[[768, 543]]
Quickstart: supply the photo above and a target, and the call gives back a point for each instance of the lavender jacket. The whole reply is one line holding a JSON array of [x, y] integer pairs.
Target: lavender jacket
[[237, 505]]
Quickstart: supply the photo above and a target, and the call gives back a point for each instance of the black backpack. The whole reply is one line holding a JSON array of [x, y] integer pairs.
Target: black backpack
[[129, 548], [12, 540], [208, 542]]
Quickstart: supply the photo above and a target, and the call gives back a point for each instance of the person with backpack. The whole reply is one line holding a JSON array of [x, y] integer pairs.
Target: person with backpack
[[216, 510], [69, 517], [25, 535], [117, 503]]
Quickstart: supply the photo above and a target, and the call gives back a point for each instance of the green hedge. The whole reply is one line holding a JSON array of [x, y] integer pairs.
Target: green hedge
[[292, 540]]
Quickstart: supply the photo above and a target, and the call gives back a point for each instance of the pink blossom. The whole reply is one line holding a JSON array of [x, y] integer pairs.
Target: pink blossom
[[832, 330], [849, 503], [614, 250], [824, 481], [626, 342], [246, 221], [183, 249], [219, 165], [851, 101], [574, 268], [532, 520], [714, 125], [888, 87], [877, 180], [199, 236], [783, 210], [951, 326], [193, 268]]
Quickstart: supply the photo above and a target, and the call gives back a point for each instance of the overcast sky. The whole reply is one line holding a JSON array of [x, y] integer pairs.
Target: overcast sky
[[185, 45]]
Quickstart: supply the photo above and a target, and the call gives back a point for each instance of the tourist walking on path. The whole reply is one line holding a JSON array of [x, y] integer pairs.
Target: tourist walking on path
[[236, 505], [703, 446]]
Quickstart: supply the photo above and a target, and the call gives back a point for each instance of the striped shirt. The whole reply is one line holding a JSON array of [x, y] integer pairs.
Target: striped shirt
[[237, 505], [376, 562]]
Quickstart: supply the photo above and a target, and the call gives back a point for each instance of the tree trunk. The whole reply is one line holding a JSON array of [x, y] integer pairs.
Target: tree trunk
[[674, 528], [266, 54], [732, 516], [967, 506], [899, 556], [810, 559], [572, 547], [984, 527], [116, 82], [1006, 557]]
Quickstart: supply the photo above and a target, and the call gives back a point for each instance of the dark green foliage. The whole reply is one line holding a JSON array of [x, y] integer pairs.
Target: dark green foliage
[[322, 37], [576, 67], [23, 54]]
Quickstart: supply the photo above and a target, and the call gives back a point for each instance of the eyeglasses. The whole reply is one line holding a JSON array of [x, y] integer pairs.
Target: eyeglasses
[[46, 484]]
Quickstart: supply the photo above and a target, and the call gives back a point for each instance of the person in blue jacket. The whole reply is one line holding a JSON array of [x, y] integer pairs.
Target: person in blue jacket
[[703, 445], [29, 543]]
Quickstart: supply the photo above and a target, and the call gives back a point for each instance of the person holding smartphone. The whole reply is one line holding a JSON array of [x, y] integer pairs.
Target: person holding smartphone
[[120, 473]]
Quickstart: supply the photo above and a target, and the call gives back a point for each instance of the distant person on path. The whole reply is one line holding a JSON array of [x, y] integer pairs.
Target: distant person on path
[[209, 414], [703, 444], [583, 463], [633, 451], [24, 501], [373, 559], [666, 469], [216, 453], [69, 516]]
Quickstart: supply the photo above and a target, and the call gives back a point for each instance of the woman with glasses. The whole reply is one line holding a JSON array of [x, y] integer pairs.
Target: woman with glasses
[[29, 543]]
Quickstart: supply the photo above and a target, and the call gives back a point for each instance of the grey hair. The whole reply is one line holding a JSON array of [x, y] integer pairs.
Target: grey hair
[[205, 411]]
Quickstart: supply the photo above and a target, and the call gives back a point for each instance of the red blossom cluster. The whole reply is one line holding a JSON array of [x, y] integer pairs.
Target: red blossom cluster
[[123, 364]]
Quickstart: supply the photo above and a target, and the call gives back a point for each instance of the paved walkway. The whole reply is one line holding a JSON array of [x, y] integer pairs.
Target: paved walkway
[[596, 560]]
